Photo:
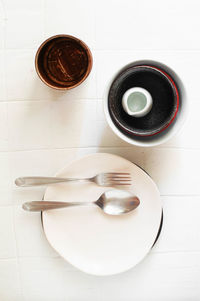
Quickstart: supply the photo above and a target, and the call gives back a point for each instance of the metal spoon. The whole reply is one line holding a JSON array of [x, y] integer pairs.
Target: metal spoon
[[113, 202]]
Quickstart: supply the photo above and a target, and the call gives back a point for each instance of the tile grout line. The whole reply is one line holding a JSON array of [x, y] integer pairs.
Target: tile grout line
[[43, 11], [23, 100], [142, 50], [45, 100], [180, 195], [175, 251], [119, 50], [5, 67], [5, 96], [17, 254], [99, 148], [95, 40], [4, 48], [58, 257]]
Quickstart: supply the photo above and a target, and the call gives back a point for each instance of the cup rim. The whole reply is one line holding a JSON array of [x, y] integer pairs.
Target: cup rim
[[86, 48]]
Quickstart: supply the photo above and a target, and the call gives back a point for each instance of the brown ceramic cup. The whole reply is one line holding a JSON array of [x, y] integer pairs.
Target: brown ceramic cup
[[63, 62]]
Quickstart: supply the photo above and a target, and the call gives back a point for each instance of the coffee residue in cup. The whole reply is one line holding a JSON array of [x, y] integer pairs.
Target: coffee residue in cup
[[65, 61]]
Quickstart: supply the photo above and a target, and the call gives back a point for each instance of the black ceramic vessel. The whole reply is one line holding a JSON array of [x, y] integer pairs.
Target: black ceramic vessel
[[165, 96]]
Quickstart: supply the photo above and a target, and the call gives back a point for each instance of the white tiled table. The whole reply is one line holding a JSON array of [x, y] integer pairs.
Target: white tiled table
[[41, 130]]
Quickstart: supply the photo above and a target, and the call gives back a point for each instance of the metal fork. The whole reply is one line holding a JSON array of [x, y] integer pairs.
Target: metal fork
[[103, 179]]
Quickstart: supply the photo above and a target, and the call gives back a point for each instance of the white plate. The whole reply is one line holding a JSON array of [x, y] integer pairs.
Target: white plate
[[92, 241]]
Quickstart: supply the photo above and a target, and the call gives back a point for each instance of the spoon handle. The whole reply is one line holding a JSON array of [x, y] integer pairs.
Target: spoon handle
[[48, 205]]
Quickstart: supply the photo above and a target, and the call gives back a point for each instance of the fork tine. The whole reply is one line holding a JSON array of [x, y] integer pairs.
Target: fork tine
[[116, 173], [117, 184], [117, 178], [121, 180], [121, 177]]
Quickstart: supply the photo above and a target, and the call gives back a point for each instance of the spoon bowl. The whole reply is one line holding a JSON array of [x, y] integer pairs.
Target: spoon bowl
[[116, 202], [112, 202]]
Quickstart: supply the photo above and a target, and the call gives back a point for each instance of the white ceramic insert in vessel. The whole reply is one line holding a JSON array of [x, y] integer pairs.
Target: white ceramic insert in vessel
[[137, 102]]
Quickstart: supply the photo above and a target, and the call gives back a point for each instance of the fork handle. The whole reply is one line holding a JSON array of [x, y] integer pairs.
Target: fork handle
[[37, 181], [48, 205]]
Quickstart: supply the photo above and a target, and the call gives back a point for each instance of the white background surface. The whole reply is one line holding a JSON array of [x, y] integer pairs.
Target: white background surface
[[41, 130]]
